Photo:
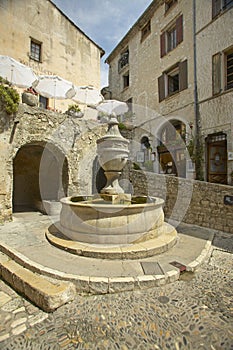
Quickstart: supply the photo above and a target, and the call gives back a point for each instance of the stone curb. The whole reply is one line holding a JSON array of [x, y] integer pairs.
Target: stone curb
[[139, 250], [47, 294], [104, 285], [204, 254]]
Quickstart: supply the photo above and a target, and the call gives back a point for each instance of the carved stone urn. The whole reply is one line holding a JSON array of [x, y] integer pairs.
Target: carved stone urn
[[113, 151]]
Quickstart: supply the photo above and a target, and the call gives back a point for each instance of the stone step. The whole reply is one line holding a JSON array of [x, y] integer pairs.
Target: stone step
[[46, 293]]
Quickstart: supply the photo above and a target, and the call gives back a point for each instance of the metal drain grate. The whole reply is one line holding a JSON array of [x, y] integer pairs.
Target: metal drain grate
[[152, 268]]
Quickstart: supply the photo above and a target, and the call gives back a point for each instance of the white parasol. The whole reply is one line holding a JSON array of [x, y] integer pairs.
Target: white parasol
[[16, 73], [53, 86], [87, 95], [113, 107]]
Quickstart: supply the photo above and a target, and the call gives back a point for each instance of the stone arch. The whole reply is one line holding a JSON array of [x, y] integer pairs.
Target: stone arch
[[171, 136], [40, 172]]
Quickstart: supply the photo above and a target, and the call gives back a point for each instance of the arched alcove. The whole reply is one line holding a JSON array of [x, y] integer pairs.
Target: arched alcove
[[40, 172]]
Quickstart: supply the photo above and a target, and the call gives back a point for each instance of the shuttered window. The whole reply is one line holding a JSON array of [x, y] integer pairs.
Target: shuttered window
[[173, 80], [229, 70], [220, 5], [171, 37], [216, 73], [216, 7]]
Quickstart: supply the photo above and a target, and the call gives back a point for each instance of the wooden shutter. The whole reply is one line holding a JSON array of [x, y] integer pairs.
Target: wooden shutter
[[162, 45], [161, 86], [216, 7], [216, 73], [183, 75], [179, 29]]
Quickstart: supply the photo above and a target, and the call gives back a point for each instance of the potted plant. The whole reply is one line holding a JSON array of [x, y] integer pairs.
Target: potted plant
[[29, 96], [75, 111]]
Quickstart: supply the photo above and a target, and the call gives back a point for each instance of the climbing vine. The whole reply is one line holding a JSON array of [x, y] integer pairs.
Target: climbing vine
[[9, 97]]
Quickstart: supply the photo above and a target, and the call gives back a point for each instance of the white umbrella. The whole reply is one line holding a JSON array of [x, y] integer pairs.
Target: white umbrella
[[53, 86], [16, 73], [113, 107], [87, 95]]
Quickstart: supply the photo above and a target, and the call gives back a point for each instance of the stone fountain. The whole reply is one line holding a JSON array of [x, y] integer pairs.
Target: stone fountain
[[114, 218]]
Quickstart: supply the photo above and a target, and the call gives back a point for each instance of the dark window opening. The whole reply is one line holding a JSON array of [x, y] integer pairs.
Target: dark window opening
[[126, 80], [173, 83], [35, 51], [43, 102]]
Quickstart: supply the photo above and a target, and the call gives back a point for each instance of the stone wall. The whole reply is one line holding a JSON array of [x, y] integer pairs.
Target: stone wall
[[194, 202], [44, 155]]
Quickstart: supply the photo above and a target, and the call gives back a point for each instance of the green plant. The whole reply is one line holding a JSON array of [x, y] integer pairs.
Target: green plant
[[74, 108], [136, 166], [9, 97]]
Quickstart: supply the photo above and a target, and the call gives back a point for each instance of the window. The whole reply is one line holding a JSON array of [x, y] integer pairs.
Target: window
[[222, 62], [218, 6], [171, 37], [145, 31], [169, 4], [229, 70], [43, 102], [126, 80], [173, 80], [35, 51], [124, 60]]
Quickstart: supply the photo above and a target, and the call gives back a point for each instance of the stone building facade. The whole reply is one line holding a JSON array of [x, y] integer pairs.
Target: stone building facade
[[45, 156], [164, 67], [40, 35]]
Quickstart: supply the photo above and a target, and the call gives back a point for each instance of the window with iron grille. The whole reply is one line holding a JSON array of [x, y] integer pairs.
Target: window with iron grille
[[172, 36], [35, 51], [229, 70], [124, 60]]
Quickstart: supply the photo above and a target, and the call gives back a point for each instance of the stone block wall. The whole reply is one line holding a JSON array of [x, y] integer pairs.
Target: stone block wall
[[194, 202]]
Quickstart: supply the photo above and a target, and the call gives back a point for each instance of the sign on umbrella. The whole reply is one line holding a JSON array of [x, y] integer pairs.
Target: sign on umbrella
[[16, 73], [53, 86]]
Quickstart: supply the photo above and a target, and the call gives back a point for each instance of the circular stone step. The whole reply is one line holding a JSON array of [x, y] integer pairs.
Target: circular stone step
[[137, 250]]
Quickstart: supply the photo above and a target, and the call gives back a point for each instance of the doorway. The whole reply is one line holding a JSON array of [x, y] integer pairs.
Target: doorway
[[217, 158]]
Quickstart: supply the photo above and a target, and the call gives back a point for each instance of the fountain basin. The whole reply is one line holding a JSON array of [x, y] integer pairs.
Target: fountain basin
[[94, 221]]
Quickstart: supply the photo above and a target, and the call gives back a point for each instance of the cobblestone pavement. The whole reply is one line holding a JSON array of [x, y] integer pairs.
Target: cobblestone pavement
[[193, 313]]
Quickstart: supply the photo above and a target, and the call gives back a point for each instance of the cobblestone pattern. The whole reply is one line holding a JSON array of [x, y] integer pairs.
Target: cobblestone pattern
[[193, 313], [206, 207]]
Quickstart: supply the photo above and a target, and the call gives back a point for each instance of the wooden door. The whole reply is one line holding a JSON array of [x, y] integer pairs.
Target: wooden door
[[217, 161]]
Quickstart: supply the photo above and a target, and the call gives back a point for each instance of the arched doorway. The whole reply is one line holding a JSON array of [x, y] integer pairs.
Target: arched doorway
[[171, 150], [39, 173]]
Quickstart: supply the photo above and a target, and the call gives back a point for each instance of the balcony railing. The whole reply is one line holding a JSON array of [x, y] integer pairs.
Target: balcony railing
[[123, 61]]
